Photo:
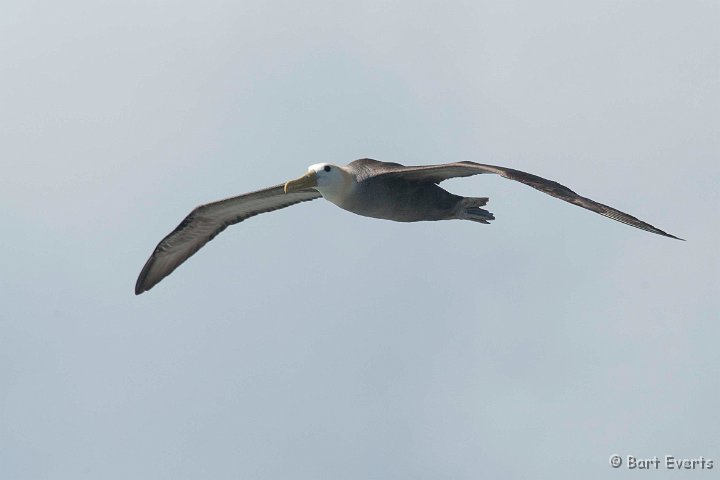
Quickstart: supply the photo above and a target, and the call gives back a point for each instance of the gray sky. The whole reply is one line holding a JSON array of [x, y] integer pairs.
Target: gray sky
[[311, 343]]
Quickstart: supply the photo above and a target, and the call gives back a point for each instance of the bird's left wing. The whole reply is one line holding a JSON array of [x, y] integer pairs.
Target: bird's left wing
[[438, 173], [205, 222]]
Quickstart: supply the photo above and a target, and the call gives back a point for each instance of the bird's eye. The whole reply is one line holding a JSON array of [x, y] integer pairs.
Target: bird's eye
[[327, 168]]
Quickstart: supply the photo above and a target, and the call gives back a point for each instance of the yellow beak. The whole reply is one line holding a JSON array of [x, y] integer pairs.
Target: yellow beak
[[308, 180]]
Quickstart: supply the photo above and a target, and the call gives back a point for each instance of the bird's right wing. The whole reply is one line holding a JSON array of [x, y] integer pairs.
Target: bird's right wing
[[205, 222], [438, 173]]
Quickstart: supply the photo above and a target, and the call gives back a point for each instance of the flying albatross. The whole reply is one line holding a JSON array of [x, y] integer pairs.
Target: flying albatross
[[366, 187]]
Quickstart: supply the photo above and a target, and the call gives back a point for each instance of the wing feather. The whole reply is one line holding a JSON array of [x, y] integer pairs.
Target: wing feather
[[438, 173], [205, 222]]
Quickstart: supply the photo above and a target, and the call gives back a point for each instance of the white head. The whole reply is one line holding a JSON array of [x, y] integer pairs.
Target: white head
[[334, 183]]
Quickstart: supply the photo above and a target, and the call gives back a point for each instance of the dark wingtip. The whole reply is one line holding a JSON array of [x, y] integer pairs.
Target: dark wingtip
[[665, 234], [145, 282], [139, 287], [142, 284]]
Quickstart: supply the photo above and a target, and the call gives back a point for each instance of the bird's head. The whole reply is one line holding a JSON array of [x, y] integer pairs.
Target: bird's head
[[332, 181]]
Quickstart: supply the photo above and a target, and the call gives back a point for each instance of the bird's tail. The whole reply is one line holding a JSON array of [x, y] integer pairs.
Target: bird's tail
[[469, 209]]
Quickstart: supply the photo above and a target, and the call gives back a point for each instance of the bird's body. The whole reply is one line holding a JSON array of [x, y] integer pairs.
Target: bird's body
[[366, 187], [412, 201]]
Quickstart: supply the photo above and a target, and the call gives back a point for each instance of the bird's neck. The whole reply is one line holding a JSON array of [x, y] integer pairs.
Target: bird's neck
[[341, 189]]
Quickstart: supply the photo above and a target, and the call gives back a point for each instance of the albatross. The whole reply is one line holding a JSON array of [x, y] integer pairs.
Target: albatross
[[367, 187]]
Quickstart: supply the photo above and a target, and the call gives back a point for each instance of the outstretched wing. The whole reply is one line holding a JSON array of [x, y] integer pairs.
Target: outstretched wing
[[205, 222], [438, 173]]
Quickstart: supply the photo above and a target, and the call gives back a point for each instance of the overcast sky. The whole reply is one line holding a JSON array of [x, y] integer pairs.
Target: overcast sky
[[311, 343]]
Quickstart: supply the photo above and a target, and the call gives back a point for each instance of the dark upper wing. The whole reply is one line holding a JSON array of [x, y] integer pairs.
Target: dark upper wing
[[438, 173], [205, 222]]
